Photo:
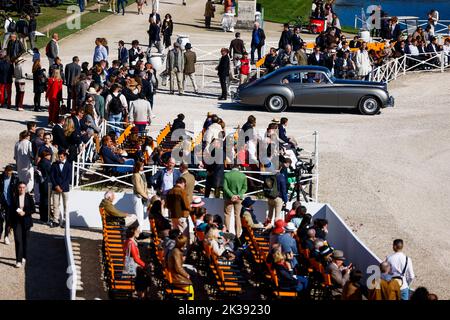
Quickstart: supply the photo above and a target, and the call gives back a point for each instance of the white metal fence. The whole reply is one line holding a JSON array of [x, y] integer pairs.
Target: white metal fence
[[425, 62]]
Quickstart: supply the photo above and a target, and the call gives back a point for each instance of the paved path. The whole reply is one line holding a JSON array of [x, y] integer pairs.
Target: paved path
[[386, 175]]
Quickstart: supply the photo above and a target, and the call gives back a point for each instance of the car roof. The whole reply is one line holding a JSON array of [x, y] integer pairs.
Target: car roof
[[284, 70]]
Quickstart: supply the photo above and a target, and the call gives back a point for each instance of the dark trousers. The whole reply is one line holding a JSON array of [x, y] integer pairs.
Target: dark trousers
[[21, 237], [141, 127], [43, 201], [252, 53], [81, 5], [121, 4], [208, 188], [223, 85], [4, 218], [208, 22], [37, 101], [69, 97]]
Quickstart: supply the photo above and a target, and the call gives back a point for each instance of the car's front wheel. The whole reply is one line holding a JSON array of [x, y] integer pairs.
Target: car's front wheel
[[276, 103], [369, 105]]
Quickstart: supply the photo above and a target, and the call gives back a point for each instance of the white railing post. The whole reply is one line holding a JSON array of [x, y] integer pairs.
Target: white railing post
[[316, 155], [203, 75], [405, 65], [442, 59], [356, 21]]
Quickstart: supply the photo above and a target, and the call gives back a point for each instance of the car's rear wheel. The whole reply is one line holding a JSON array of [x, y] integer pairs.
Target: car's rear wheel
[[276, 103], [369, 105]]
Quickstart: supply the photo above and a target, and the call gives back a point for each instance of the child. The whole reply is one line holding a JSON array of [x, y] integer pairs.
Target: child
[[244, 69]]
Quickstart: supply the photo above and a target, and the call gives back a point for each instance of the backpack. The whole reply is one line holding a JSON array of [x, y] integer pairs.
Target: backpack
[[115, 105], [12, 26], [47, 50], [270, 187], [22, 27]]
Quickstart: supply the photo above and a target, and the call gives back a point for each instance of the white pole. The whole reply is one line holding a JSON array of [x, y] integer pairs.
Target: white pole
[[316, 154]]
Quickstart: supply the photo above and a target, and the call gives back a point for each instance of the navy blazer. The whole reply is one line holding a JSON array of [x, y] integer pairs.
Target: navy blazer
[[282, 133], [157, 179], [123, 55], [29, 208], [282, 187], [59, 138], [61, 178]]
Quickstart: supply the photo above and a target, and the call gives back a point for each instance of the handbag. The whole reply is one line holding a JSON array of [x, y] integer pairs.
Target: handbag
[[129, 268]]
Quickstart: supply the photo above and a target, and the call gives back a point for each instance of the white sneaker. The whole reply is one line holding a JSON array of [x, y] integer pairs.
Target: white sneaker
[[23, 261], [18, 264], [109, 10], [7, 242]]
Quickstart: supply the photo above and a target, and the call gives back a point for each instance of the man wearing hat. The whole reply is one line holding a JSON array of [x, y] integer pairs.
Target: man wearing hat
[[60, 177], [190, 59], [175, 67], [288, 243], [248, 214], [339, 273]]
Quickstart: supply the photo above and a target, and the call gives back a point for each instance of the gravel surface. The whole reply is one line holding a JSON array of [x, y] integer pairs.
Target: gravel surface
[[386, 175]]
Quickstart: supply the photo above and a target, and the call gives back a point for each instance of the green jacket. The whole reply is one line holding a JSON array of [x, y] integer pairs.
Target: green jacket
[[235, 183]]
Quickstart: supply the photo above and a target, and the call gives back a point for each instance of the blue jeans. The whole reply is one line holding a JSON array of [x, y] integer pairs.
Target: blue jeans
[[302, 284], [81, 5], [141, 127], [404, 294], [129, 162], [115, 120], [121, 4]]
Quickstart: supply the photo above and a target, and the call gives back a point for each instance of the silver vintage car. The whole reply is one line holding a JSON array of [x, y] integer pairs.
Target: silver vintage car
[[313, 86]]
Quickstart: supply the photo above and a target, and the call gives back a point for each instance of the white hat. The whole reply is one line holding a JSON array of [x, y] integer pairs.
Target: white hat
[[290, 227]]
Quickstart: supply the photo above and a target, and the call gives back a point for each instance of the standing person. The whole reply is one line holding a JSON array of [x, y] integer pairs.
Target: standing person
[[22, 209], [258, 41], [52, 50], [60, 177], [209, 13], [175, 67], [135, 53], [9, 28], [190, 59], [6, 79], [54, 96], [23, 154], [402, 266], [19, 83], [71, 72], [190, 180], [22, 29], [112, 6], [154, 16], [223, 71], [154, 34], [165, 179], [39, 84], [363, 64], [234, 188], [44, 167], [301, 56], [100, 52], [167, 30], [115, 106], [8, 186], [15, 48], [59, 138], [140, 113], [140, 4], [237, 49], [81, 5], [244, 73], [285, 37], [121, 4], [178, 205], [140, 192], [123, 53], [275, 190], [32, 28]]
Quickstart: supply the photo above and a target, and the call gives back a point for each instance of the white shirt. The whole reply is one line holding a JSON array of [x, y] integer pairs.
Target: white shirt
[[167, 182], [61, 165], [397, 261], [414, 50]]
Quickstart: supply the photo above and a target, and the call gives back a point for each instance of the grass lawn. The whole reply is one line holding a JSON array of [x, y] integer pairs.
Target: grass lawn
[[62, 30], [282, 11]]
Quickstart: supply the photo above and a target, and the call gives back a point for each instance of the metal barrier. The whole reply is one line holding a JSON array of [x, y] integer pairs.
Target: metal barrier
[[394, 68], [72, 279]]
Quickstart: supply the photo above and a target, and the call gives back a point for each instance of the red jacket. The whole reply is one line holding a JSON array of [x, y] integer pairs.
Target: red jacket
[[245, 67], [54, 89], [134, 252]]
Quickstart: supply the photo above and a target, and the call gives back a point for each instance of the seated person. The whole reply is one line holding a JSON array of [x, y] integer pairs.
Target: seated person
[[248, 215], [340, 274], [111, 157], [218, 222], [299, 214], [130, 248], [282, 134], [115, 217], [155, 212], [208, 222], [286, 278], [292, 212], [169, 241], [220, 246], [309, 242], [175, 262], [321, 226]]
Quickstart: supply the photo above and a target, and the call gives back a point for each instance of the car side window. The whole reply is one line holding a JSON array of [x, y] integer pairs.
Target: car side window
[[295, 77], [315, 78]]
